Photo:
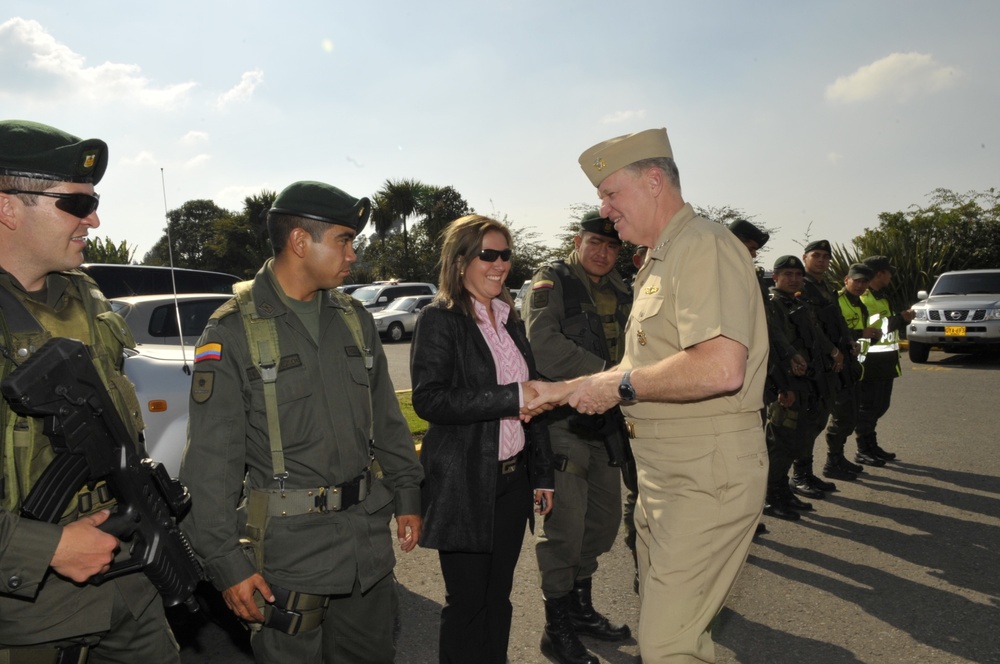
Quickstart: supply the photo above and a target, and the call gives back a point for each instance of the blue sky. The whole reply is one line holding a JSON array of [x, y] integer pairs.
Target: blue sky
[[800, 113]]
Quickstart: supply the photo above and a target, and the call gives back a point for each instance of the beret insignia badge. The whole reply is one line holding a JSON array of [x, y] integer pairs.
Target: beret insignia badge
[[599, 164]]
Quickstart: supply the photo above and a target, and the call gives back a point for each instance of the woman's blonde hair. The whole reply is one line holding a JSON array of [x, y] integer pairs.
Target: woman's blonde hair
[[463, 240]]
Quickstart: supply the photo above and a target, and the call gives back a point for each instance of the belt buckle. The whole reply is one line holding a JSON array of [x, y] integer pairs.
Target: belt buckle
[[630, 427], [508, 466]]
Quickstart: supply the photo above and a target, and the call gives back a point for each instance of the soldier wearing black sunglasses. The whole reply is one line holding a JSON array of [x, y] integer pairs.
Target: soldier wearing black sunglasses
[[47, 208]]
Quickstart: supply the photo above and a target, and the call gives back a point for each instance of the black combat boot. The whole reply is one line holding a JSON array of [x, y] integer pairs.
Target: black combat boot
[[885, 455], [866, 456], [839, 468], [775, 506], [587, 620], [559, 641], [792, 501], [804, 486]]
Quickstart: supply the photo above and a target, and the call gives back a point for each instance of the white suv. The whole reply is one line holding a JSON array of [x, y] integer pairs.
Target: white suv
[[961, 314]]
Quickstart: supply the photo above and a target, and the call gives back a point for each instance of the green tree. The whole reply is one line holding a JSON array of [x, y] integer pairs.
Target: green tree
[[441, 206], [953, 232], [239, 243], [187, 236], [103, 250], [392, 205]]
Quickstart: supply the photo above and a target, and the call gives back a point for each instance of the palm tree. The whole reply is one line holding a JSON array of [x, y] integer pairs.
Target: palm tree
[[393, 204]]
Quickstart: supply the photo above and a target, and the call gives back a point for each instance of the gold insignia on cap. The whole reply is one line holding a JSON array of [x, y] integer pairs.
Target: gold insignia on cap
[[650, 290], [599, 164], [609, 226], [88, 161], [361, 212]]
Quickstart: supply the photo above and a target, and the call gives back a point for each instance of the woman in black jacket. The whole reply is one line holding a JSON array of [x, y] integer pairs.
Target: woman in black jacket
[[471, 368]]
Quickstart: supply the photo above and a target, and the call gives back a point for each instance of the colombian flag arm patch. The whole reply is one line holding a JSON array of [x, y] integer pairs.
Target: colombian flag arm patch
[[208, 352], [542, 284]]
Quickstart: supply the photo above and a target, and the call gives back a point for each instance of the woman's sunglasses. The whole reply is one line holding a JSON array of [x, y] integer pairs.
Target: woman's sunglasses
[[490, 255], [78, 205]]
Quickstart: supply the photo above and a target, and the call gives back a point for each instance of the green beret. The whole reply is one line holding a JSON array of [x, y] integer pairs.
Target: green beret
[[860, 271], [822, 245], [879, 264], [33, 150], [593, 222], [323, 202], [744, 230], [789, 263], [603, 159]]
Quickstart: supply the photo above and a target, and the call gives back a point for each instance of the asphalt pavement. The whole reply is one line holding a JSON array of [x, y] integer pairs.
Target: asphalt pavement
[[900, 566]]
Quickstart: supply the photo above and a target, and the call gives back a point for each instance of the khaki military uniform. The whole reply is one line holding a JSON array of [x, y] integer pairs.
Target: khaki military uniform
[[702, 466], [120, 620], [586, 521], [328, 403]]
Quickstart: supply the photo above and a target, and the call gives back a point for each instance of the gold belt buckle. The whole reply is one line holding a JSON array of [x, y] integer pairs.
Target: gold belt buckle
[[630, 427]]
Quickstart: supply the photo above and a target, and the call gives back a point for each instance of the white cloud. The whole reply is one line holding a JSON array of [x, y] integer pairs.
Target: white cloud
[[197, 161], [623, 116], [142, 158], [40, 69], [242, 90], [194, 137], [232, 197], [899, 76]]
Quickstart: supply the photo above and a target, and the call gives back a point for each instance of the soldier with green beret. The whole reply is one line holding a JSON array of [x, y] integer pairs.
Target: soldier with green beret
[[291, 389], [575, 316], [48, 610]]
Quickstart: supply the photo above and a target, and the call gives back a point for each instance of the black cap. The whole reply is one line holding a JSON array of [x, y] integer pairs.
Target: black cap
[[744, 230], [593, 222], [879, 264], [323, 202], [823, 245], [789, 262], [860, 271], [34, 150]]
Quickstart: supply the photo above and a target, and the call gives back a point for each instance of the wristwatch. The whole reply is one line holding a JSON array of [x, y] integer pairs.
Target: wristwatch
[[625, 390]]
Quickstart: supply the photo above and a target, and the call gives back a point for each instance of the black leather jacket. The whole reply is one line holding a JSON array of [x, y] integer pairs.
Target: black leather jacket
[[455, 389]]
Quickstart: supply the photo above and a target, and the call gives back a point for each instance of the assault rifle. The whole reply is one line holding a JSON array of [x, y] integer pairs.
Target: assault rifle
[[92, 443]]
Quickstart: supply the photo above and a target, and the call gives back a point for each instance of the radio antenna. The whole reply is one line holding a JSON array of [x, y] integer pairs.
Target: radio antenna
[[173, 278]]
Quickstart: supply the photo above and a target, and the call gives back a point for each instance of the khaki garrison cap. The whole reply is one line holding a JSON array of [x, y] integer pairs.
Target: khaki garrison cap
[[603, 159]]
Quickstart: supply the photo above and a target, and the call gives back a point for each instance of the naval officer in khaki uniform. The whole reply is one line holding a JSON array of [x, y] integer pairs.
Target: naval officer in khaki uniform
[[307, 409], [691, 386], [48, 611]]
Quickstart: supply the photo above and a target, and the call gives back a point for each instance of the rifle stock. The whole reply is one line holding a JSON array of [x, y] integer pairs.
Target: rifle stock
[[60, 384]]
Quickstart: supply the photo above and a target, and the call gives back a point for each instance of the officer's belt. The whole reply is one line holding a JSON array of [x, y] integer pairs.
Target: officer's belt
[[289, 502], [696, 426], [69, 655], [293, 612], [567, 465]]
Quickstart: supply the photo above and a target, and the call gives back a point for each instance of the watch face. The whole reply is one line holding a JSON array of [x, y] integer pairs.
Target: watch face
[[626, 392]]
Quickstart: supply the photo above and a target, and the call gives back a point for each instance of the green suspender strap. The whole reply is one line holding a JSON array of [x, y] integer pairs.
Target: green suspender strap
[[262, 339]]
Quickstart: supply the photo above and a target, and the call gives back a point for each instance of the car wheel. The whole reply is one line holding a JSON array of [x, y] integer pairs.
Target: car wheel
[[919, 352], [396, 332]]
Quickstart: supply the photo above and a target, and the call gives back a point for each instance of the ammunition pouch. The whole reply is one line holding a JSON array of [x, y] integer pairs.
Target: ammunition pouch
[[67, 655], [780, 416], [293, 612]]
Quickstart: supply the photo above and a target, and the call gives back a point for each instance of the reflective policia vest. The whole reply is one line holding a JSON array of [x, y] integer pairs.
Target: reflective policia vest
[[879, 314], [77, 309], [856, 317]]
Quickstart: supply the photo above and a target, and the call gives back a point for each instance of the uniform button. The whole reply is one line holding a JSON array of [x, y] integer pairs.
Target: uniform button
[[14, 582]]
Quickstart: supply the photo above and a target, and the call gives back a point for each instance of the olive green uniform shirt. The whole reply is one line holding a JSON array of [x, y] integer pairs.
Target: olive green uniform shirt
[[325, 417]]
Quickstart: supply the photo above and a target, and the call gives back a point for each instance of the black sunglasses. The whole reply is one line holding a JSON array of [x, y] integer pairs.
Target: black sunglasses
[[78, 205], [490, 255]]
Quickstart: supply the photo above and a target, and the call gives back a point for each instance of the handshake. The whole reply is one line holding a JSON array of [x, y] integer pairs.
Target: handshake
[[589, 395]]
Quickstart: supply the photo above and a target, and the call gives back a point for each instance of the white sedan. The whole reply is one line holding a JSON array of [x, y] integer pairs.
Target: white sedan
[[398, 319]]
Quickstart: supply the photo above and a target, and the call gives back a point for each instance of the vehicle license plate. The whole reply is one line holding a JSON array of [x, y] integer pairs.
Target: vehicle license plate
[[954, 331]]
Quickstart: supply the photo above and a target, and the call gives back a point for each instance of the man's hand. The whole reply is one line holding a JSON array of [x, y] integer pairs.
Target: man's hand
[[799, 365], [540, 396], [908, 315], [408, 531], [597, 393], [786, 399], [83, 549], [239, 598], [543, 501]]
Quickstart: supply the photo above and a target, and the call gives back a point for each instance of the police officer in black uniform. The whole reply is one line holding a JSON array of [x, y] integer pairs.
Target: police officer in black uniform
[[575, 316]]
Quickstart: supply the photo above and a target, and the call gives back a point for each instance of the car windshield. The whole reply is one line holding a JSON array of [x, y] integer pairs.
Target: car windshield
[[402, 304], [366, 294], [968, 284]]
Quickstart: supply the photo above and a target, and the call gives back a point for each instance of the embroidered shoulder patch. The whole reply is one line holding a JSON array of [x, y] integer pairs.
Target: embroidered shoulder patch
[[201, 386], [542, 284], [208, 352]]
